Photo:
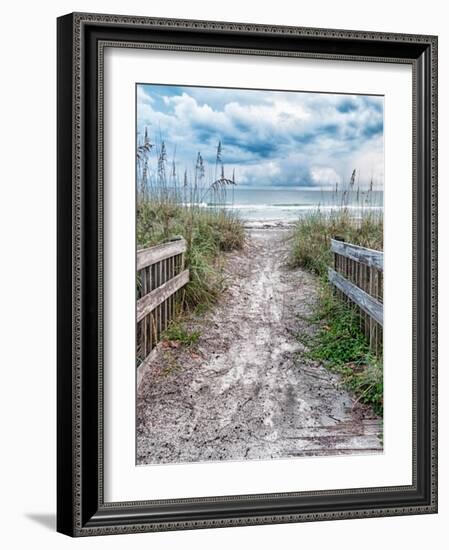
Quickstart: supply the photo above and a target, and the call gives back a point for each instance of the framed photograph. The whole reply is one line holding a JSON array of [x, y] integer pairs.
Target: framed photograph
[[246, 274]]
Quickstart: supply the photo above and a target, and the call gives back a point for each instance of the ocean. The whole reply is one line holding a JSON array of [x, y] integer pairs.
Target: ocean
[[288, 205]]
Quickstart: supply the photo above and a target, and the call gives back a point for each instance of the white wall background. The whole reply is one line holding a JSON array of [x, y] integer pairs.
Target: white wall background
[[27, 286]]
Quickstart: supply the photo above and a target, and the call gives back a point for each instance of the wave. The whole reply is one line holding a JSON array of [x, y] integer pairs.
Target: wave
[[290, 206], [278, 211], [200, 204]]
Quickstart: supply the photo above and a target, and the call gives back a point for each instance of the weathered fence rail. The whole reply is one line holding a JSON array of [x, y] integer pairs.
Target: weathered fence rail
[[161, 276], [358, 277]]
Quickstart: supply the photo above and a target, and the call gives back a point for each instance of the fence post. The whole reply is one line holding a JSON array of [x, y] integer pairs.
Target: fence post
[[357, 276], [160, 276]]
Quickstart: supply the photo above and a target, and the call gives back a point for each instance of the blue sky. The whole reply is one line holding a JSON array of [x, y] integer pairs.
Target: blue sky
[[286, 139]]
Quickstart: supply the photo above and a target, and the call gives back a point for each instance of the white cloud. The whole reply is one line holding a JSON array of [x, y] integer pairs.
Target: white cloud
[[143, 97], [267, 171], [324, 175], [273, 138]]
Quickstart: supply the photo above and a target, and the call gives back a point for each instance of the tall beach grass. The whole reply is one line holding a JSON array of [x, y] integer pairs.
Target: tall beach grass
[[313, 233], [169, 205], [208, 233], [339, 342]]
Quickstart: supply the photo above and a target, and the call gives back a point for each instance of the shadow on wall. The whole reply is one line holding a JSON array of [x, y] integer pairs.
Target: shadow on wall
[[46, 520]]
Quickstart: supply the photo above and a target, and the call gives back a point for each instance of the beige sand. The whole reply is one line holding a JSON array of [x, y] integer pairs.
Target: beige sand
[[246, 391]]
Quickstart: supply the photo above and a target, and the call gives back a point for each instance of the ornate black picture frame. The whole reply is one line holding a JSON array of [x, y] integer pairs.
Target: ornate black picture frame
[[81, 510]]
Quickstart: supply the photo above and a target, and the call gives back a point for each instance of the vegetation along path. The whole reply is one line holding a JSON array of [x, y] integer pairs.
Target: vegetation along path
[[245, 388]]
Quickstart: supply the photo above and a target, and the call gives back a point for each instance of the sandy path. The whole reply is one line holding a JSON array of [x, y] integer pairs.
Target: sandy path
[[246, 391]]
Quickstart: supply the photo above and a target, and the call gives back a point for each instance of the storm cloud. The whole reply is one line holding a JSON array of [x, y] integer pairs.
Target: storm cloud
[[270, 138]]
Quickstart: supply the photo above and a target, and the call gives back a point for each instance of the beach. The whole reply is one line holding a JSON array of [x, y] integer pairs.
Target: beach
[[283, 205], [247, 389]]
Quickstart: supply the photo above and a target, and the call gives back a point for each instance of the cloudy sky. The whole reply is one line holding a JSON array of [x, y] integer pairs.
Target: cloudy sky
[[287, 139]]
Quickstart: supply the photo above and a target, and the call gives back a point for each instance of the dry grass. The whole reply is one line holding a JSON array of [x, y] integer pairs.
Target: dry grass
[[312, 235], [208, 233]]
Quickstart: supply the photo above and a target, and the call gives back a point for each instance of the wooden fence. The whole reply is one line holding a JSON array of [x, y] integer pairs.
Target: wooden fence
[[358, 278], [160, 278]]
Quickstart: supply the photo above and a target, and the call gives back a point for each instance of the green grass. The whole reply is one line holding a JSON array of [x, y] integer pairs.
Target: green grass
[[312, 235], [176, 332], [339, 343], [208, 233]]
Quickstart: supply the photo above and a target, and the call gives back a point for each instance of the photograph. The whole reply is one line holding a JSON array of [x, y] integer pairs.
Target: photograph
[[259, 273]]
